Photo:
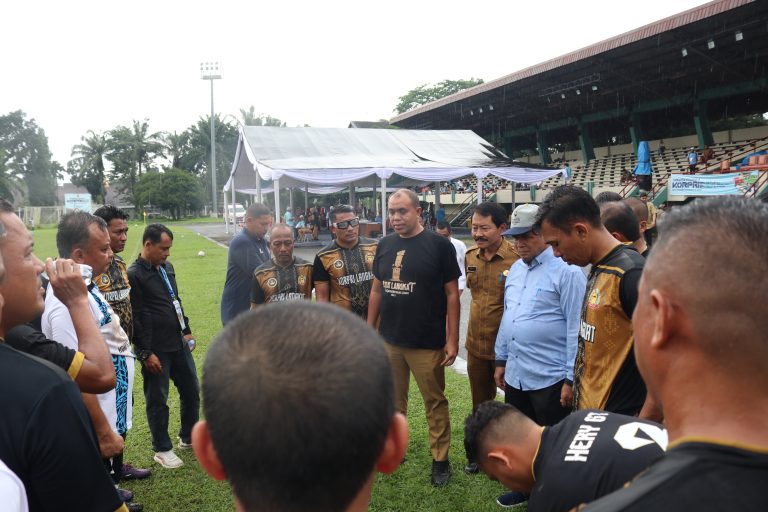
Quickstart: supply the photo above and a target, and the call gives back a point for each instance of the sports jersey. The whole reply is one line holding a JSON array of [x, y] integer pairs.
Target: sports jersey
[[413, 273], [696, 476], [273, 283], [348, 273], [116, 288], [590, 454], [605, 373]]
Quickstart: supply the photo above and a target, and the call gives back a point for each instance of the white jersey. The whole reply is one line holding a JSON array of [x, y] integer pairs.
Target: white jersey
[[461, 250]]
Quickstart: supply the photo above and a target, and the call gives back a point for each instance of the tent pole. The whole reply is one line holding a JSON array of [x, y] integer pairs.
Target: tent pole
[[383, 206], [276, 193], [479, 190], [234, 224], [290, 199], [258, 185], [437, 196], [226, 214], [375, 202], [306, 198]]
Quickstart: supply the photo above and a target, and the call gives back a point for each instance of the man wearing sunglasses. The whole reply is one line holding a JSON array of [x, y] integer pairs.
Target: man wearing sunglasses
[[343, 270], [538, 336], [284, 277]]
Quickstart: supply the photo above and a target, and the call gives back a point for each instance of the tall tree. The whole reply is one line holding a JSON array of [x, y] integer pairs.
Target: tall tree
[[424, 94], [198, 157], [87, 167], [173, 190], [132, 151], [176, 147], [251, 119], [26, 161]]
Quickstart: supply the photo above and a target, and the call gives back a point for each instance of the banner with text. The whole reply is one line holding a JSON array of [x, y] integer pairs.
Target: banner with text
[[711, 184]]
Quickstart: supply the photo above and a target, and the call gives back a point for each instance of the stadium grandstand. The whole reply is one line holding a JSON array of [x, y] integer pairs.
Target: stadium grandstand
[[695, 79]]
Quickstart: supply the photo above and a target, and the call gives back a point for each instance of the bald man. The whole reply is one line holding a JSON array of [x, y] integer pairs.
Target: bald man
[[701, 349], [583, 457]]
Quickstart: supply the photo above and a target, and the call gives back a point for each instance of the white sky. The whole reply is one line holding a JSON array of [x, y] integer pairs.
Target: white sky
[[80, 65]]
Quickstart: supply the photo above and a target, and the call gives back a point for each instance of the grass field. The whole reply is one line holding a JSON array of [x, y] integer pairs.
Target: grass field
[[189, 488]]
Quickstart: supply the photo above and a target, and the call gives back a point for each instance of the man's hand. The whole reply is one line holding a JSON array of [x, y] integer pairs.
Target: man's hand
[[451, 351], [111, 444], [67, 282], [498, 376], [188, 337], [152, 364], [566, 395]]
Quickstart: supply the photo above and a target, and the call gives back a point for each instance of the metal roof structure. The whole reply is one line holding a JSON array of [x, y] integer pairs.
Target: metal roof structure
[[713, 58]]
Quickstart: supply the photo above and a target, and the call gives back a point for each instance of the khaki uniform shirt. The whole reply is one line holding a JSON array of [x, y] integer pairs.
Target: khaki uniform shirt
[[486, 281]]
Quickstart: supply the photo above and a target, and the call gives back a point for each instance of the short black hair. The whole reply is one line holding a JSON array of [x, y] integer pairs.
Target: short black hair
[[618, 217], [495, 211], [6, 206], [566, 205], [298, 412], [74, 231], [444, 225], [639, 207], [485, 418], [109, 213], [607, 196], [341, 208], [154, 232], [256, 210]]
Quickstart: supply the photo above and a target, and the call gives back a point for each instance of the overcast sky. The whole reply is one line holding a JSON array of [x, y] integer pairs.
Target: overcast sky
[[80, 65]]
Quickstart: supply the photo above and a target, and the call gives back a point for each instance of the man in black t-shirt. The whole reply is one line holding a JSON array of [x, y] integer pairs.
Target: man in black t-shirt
[[583, 457], [415, 289], [701, 349]]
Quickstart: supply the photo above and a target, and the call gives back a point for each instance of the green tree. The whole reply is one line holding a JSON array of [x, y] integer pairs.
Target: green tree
[[176, 147], [198, 156], [251, 119], [87, 169], [424, 94], [132, 151], [26, 161], [173, 190]]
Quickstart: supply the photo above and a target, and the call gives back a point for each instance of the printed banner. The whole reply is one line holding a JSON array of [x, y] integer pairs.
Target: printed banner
[[736, 183], [77, 202]]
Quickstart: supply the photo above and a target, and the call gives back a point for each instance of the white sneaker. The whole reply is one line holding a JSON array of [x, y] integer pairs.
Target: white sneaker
[[168, 459], [183, 445]]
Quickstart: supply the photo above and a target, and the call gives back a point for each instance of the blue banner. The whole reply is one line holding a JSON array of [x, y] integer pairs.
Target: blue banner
[[711, 184]]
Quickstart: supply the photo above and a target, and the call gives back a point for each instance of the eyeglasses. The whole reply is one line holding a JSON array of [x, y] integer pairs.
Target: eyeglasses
[[347, 223]]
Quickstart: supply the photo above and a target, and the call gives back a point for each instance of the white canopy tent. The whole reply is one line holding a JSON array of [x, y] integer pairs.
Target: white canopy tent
[[327, 160]]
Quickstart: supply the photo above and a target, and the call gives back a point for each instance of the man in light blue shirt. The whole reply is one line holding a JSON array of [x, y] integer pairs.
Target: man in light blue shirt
[[537, 339]]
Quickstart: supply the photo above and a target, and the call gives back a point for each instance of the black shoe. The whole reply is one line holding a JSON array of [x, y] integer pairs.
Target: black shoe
[[441, 472], [134, 507], [472, 468], [512, 499]]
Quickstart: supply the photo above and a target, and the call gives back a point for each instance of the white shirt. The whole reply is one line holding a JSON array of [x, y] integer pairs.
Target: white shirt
[[57, 325], [461, 250], [13, 496]]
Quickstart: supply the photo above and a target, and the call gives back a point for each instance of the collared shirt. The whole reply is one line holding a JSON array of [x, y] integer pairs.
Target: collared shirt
[[486, 281], [116, 288], [348, 272], [155, 324], [246, 253], [539, 331], [461, 251], [274, 283]]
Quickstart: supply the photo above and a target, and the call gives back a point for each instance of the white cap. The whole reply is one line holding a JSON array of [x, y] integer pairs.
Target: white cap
[[523, 219]]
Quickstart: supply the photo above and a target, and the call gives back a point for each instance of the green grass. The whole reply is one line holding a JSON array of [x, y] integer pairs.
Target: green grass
[[189, 488]]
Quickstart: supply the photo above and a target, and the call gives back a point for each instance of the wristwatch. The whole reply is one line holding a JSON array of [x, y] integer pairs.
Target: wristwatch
[[144, 355]]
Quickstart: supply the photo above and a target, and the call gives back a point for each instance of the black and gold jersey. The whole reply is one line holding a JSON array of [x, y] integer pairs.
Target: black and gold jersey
[[273, 283], [605, 373], [115, 287], [349, 274]]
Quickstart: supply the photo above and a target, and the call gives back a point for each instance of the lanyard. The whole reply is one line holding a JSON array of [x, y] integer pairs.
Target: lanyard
[[106, 317], [167, 282]]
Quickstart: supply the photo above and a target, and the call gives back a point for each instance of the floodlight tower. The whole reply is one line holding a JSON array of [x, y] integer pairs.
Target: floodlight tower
[[210, 71]]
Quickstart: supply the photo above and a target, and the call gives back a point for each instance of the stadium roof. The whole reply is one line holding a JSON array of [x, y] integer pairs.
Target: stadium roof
[[716, 53]]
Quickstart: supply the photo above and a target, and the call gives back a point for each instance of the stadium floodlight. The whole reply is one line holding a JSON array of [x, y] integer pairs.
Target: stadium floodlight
[[594, 88], [739, 35], [210, 71], [684, 52], [490, 107], [578, 91], [711, 44], [562, 95], [480, 110], [471, 112]]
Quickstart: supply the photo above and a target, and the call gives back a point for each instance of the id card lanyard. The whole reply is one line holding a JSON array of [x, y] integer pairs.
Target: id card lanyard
[[176, 303]]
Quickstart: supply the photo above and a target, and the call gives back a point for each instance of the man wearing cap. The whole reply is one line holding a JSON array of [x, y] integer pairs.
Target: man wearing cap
[[538, 337]]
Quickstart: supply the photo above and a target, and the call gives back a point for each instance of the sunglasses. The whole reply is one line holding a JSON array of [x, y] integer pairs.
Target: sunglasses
[[347, 223]]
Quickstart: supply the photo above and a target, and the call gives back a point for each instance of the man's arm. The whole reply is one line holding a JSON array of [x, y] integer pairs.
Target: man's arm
[[257, 294], [374, 303], [322, 281], [97, 374], [110, 443], [573, 286], [142, 327], [322, 291], [452, 323]]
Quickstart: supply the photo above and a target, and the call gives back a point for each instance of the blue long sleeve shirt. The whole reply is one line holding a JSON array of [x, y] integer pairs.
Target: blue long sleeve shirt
[[539, 330], [246, 252]]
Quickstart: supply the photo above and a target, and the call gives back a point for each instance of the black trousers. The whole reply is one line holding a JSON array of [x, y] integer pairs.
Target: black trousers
[[542, 406]]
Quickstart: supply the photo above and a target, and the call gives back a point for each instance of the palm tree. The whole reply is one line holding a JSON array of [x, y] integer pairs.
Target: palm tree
[[145, 146], [175, 148], [87, 165]]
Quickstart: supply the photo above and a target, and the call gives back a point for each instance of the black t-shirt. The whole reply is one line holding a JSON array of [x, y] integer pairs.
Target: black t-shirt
[[696, 476], [590, 454], [47, 439], [413, 273], [31, 341]]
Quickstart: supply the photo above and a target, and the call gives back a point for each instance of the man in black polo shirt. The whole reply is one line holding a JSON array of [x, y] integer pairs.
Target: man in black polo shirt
[[583, 457], [161, 336], [701, 348], [45, 427], [414, 291]]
